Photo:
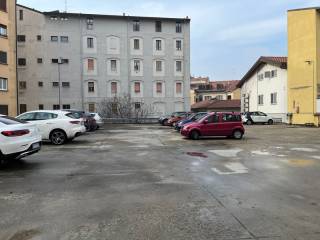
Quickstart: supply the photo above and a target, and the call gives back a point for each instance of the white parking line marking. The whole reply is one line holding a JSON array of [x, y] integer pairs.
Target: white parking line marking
[[233, 168], [227, 153], [304, 149], [263, 153]]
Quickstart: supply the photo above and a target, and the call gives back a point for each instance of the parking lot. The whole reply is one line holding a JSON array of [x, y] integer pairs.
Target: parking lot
[[148, 182]]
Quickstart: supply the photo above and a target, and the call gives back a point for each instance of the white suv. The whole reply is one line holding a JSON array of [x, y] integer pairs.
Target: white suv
[[55, 125], [17, 138], [250, 118]]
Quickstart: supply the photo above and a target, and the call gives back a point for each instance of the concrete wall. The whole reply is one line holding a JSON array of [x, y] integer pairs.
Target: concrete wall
[[8, 71], [104, 30], [254, 87], [303, 32]]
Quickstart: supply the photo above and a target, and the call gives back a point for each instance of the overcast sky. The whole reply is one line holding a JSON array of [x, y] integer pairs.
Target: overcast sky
[[227, 36]]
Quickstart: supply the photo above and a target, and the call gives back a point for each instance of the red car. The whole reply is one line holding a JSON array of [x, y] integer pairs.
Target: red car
[[215, 124], [177, 118]]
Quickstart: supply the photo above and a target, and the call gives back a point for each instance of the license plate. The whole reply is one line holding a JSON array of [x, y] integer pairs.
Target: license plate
[[35, 145]]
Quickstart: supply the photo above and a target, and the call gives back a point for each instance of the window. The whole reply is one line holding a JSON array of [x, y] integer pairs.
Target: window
[[40, 84], [23, 109], [159, 87], [137, 88], [56, 107], [260, 77], [21, 38], [4, 109], [229, 97], [213, 119], [178, 27], [158, 66], [54, 38], [90, 64], [273, 98], [219, 97], [136, 65], [90, 86], [178, 66], [89, 23], [44, 116], [158, 26], [267, 74], [114, 88], [136, 44], [66, 84], [137, 106], [55, 60], [113, 65], [158, 45], [274, 73], [3, 57], [178, 45], [64, 61], [20, 14], [55, 84], [206, 98], [3, 30], [92, 107], [66, 106], [22, 62], [41, 107], [231, 118], [3, 5], [64, 39], [3, 84], [136, 25], [39, 38], [39, 60], [90, 42], [22, 85], [178, 88], [260, 99]]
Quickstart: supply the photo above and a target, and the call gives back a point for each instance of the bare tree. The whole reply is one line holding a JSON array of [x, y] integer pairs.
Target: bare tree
[[124, 107]]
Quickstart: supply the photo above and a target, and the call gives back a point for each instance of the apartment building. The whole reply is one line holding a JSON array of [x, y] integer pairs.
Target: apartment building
[[303, 66], [264, 88], [195, 82], [86, 58], [8, 81]]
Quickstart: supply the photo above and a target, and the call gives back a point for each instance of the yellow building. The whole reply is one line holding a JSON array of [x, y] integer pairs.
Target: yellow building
[[8, 84], [304, 66]]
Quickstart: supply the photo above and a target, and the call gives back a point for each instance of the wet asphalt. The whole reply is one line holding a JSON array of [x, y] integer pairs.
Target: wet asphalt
[[148, 182]]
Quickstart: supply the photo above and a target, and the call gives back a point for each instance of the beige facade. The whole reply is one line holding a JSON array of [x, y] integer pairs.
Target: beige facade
[[8, 86]]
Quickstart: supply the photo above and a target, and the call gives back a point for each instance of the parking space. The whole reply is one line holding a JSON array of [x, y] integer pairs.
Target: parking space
[[148, 182]]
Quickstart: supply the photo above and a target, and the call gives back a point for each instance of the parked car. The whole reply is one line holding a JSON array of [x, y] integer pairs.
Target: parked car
[[18, 139], [192, 118], [89, 121], [55, 125], [164, 119], [215, 124], [98, 119], [250, 118], [173, 120]]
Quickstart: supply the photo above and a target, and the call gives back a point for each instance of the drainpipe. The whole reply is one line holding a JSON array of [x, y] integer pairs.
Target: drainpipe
[[16, 58], [81, 62]]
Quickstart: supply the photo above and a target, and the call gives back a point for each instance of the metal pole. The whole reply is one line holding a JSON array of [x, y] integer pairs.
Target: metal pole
[[59, 85]]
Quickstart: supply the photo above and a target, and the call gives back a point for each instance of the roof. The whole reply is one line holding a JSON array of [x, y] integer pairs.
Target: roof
[[302, 9], [217, 104], [279, 61], [218, 86], [70, 14], [230, 85]]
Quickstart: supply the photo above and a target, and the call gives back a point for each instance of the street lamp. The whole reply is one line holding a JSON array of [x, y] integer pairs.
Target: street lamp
[[60, 62]]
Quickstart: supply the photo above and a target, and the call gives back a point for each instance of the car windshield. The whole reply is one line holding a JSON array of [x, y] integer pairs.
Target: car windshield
[[74, 115], [10, 120], [199, 116], [202, 117]]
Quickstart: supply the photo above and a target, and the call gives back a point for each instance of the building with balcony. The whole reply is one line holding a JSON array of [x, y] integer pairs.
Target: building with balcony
[[86, 58], [8, 81], [303, 66]]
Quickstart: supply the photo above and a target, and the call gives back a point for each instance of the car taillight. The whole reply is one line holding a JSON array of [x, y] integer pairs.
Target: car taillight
[[15, 133], [75, 122]]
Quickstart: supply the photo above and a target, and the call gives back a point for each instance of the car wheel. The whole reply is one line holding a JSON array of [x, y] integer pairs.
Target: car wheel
[[237, 134], [58, 137], [165, 122], [195, 135], [249, 122], [270, 121]]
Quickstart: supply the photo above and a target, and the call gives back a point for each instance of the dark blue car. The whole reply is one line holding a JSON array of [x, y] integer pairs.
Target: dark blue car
[[194, 117]]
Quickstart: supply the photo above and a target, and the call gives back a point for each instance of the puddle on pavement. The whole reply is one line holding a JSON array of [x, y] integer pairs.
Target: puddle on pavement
[[197, 154]]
